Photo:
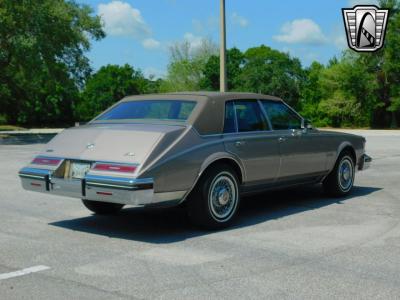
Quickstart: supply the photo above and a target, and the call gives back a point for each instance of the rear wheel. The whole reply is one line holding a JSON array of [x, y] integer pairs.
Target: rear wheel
[[102, 208], [340, 181], [215, 200]]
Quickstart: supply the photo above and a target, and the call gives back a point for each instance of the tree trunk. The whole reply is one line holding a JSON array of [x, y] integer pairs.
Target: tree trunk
[[393, 123]]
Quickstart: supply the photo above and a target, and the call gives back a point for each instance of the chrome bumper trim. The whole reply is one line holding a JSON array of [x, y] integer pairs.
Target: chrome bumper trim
[[365, 162], [130, 191], [32, 179], [119, 183], [31, 176], [34, 173]]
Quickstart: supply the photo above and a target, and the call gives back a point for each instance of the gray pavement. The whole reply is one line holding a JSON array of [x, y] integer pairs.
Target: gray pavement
[[294, 244]]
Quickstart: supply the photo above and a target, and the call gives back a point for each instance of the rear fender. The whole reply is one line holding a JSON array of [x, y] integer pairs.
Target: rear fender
[[212, 159], [219, 156]]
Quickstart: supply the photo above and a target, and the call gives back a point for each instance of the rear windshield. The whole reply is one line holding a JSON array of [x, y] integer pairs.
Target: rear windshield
[[176, 110]]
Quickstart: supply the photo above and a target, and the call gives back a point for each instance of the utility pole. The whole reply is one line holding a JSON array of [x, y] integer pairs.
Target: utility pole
[[222, 51]]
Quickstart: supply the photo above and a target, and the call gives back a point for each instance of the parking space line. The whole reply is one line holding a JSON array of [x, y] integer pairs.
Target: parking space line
[[23, 272]]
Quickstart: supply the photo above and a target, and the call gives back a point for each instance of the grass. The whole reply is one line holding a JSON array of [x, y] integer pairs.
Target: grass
[[10, 128]]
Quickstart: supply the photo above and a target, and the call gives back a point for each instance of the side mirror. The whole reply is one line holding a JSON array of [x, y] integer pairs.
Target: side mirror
[[306, 124]]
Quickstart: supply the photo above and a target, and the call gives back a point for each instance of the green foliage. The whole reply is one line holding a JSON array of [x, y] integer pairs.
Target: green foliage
[[108, 85], [234, 62], [389, 65], [185, 71], [269, 71], [3, 120], [42, 62], [359, 89], [312, 93], [46, 79], [339, 95], [260, 70]]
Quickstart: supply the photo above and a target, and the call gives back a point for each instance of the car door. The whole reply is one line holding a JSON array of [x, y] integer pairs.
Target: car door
[[302, 154], [248, 136]]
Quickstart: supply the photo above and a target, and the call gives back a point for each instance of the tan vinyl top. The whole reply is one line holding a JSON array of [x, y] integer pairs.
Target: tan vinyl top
[[208, 116]]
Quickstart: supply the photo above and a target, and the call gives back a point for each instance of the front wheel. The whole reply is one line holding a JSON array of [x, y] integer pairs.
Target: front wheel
[[215, 200], [340, 181], [102, 208]]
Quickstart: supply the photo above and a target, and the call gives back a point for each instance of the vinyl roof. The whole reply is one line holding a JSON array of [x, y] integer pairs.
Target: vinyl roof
[[208, 116], [203, 95]]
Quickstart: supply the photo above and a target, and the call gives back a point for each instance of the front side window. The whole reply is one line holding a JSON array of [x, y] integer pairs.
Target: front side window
[[175, 110], [281, 116], [249, 116]]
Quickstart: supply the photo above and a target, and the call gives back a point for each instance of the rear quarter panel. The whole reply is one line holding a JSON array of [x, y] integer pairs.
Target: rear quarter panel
[[178, 167]]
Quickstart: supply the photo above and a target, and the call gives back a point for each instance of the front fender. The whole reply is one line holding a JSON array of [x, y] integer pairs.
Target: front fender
[[341, 147], [358, 151]]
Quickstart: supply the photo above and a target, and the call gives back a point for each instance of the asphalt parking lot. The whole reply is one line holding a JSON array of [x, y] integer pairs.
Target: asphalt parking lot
[[291, 244]]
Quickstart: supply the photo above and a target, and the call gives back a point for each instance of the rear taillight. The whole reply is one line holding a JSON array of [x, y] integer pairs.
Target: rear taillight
[[115, 167], [47, 161]]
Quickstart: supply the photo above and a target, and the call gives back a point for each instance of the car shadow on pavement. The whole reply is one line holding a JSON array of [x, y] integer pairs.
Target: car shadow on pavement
[[169, 225]]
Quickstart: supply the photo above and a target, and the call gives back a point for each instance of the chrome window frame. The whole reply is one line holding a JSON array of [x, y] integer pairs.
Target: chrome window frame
[[237, 132], [265, 115], [236, 120], [289, 108]]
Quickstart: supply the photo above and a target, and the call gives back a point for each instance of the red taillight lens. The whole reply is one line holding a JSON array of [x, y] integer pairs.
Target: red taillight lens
[[115, 167], [46, 161]]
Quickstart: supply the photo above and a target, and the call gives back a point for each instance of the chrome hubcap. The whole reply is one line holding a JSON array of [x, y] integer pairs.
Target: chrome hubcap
[[223, 197], [346, 172]]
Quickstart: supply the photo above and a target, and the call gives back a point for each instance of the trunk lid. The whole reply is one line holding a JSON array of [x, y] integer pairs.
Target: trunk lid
[[127, 143]]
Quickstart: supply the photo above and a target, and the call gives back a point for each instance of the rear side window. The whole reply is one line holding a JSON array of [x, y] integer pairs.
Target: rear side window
[[175, 110], [249, 116], [281, 116]]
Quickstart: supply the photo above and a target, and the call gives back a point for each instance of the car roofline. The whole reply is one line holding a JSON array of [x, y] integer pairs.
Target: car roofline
[[202, 95]]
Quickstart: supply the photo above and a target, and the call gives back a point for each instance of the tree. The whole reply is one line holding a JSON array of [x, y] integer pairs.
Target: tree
[[185, 70], [341, 94], [389, 74], [271, 72], [311, 92], [42, 62], [385, 65], [108, 85], [234, 64]]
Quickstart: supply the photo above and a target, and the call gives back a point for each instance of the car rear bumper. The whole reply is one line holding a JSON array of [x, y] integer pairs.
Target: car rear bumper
[[130, 191], [365, 162]]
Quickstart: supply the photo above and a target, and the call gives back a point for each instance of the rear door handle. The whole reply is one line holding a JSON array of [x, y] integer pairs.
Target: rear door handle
[[281, 139], [239, 143]]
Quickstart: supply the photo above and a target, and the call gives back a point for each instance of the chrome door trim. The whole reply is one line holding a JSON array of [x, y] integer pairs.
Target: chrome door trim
[[263, 111]]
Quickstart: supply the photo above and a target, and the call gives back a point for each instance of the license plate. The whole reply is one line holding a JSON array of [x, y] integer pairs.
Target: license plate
[[79, 170]]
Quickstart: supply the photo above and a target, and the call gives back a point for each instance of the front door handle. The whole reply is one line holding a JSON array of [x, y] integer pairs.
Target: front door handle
[[296, 132], [281, 139], [239, 143]]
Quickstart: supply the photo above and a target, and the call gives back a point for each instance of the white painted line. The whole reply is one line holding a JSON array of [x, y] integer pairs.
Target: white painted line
[[23, 272]]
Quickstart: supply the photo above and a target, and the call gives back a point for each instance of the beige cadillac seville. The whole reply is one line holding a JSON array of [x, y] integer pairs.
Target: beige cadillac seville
[[203, 149]]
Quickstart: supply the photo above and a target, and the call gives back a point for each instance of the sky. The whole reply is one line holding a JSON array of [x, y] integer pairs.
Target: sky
[[140, 32]]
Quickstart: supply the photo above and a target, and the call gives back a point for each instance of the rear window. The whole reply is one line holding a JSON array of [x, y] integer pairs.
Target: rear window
[[176, 110]]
